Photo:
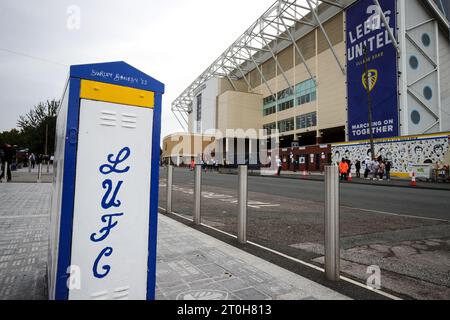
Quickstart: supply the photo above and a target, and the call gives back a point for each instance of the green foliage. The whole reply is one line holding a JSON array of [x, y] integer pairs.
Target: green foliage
[[13, 137], [35, 126]]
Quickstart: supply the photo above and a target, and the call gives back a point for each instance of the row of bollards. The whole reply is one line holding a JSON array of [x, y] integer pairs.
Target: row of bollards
[[5, 168], [332, 237]]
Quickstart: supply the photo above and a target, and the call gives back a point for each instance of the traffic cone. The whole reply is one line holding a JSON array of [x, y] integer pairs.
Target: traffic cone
[[413, 180], [304, 174], [350, 179]]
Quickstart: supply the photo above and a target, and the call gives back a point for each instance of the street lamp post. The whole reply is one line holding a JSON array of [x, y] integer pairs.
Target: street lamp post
[[369, 104], [46, 138]]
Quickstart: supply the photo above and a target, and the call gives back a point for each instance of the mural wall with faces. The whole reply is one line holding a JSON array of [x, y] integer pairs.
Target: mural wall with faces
[[401, 153]]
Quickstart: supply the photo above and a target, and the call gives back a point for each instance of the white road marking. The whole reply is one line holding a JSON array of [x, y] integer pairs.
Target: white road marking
[[259, 205], [396, 214], [222, 197]]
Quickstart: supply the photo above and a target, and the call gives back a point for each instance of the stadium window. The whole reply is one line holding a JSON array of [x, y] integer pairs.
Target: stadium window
[[268, 111], [305, 92], [270, 127], [269, 106], [285, 105], [307, 120], [286, 125]]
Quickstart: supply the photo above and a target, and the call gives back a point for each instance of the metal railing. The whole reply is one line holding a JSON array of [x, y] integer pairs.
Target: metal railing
[[332, 236]]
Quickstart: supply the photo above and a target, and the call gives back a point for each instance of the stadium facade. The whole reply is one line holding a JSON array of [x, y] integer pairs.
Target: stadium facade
[[305, 68]]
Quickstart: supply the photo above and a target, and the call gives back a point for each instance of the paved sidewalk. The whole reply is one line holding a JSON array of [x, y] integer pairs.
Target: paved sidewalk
[[23, 240], [190, 264], [23, 176]]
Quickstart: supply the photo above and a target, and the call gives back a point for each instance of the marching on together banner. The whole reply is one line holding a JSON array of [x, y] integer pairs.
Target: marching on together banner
[[365, 29]]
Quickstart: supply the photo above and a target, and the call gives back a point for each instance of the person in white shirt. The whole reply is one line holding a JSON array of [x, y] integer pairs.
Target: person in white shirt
[[279, 164]]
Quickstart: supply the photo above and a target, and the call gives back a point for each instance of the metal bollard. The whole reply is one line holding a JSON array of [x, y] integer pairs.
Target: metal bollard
[[39, 173], [29, 166], [48, 166], [332, 245], [197, 194], [169, 188], [242, 204]]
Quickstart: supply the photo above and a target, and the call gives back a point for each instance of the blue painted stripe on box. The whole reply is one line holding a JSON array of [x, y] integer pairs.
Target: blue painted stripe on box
[[154, 192], [68, 191]]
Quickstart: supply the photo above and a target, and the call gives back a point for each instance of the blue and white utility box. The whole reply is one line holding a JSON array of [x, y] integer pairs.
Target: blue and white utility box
[[105, 191]]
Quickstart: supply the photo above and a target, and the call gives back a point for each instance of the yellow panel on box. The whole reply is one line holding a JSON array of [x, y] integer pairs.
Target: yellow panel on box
[[99, 91]]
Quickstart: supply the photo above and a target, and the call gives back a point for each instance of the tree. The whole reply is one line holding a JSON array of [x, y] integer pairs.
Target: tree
[[38, 127], [13, 137]]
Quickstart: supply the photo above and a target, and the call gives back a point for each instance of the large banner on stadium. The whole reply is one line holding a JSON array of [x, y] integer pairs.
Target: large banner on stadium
[[365, 29]]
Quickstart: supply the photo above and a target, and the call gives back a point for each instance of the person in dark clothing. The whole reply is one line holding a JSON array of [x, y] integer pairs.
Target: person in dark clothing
[[295, 164], [358, 169], [7, 158], [39, 159], [388, 170], [32, 159]]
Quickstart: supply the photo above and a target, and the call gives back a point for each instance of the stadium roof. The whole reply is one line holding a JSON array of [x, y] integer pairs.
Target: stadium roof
[[280, 26]]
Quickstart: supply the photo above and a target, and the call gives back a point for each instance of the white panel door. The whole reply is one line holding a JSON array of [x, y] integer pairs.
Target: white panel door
[[112, 200]]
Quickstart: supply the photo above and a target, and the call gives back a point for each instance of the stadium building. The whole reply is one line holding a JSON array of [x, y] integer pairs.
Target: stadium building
[[310, 69]]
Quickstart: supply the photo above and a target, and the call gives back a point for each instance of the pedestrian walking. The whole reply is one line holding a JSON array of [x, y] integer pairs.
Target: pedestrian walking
[[6, 162], [366, 169], [387, 170], [279, 165], [343, 169], [381, 167], [358, 169], [39, 159], [32, 159]]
